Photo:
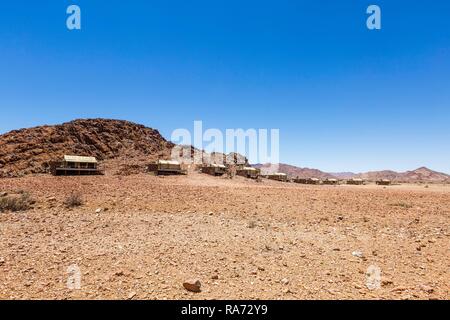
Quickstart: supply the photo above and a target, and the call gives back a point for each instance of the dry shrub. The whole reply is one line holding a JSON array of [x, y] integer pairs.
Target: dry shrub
[[15, 203], [75, 199], [252, 224], [402, 205]]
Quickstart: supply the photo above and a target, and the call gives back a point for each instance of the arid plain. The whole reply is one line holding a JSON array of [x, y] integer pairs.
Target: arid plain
[[142, 236]]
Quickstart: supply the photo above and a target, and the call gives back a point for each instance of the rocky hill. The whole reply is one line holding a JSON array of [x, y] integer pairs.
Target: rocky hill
[[29, 151]]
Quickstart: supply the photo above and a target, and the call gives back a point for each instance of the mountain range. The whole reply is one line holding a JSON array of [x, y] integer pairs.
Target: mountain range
[[422, 174]]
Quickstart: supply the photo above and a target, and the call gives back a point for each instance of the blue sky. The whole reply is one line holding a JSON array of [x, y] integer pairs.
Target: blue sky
[[344, 98]]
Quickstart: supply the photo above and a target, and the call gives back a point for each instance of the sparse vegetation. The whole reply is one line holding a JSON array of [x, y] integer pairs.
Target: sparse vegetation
[[402, 205], [252, 224], [75, 199], [15, 203]]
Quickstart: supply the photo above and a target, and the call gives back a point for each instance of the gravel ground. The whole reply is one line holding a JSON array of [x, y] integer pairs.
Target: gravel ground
[[141, 237]]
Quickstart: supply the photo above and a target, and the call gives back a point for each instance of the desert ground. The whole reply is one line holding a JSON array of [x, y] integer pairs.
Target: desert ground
[[142, 236]]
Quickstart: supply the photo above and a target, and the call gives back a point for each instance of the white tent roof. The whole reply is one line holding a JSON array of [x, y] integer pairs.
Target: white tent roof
[[170, 162], [217, 165], [80, 159]]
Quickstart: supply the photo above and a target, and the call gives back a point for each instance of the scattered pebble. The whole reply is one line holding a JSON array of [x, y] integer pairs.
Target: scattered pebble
[[193, 285], [426, 289]]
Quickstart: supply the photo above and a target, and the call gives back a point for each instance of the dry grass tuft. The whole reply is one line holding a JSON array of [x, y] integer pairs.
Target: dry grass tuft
[[75, 199], [15, 203]]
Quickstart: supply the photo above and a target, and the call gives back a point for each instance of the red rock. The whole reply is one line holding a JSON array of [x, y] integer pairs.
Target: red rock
[[193, 285]]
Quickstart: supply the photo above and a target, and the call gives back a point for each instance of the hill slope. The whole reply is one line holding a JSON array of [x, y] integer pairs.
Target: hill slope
[[29, 151]]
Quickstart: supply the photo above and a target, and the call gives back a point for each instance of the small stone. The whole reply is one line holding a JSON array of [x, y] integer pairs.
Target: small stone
[[131, 295], [387, 282], [284, 281], [99, 210], [2, 261], [358, 254], [427, 289], [399, 290], [3, 194], [193, 285]]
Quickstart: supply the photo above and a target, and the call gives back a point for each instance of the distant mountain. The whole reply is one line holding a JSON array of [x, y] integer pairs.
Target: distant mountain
[[294, 172], [344, 175], [419, 175], [378, 175], [422, 174]]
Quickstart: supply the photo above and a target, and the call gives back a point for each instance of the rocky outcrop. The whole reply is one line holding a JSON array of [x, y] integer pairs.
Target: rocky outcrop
[[30, 151]]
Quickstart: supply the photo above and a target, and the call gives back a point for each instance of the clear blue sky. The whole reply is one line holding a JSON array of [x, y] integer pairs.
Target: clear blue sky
[[343, 97]]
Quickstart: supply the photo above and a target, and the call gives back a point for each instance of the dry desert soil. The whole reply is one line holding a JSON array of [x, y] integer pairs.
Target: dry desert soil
[[241, 238]]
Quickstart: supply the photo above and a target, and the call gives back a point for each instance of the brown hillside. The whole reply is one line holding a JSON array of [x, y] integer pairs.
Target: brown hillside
[[28, 151]]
